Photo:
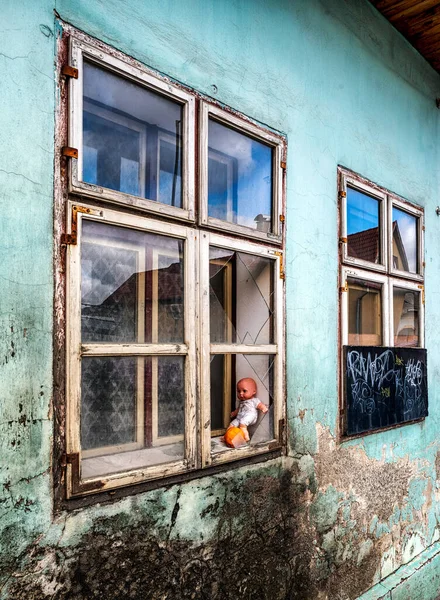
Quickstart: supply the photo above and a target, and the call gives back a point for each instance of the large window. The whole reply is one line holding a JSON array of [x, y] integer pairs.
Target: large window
[[169, 304], [382, 299]]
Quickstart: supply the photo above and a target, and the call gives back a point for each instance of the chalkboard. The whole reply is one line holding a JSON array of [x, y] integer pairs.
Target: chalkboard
[[384, 387]]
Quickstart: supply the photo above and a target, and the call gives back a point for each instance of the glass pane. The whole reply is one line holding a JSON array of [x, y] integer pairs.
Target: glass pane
[[241, 297], [131, 138], [131, 286], [363, 226], [364, 313], [226, 372], [132, 412], [404, 241], [239, 178], [406, 317]]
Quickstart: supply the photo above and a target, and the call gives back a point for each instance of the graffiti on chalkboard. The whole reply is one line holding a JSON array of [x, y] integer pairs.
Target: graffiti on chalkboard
[[384, 386]]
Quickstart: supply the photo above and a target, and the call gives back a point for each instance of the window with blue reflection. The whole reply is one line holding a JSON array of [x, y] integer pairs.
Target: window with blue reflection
[[240, 178], [405, 250], [363, 226], [131, 138]]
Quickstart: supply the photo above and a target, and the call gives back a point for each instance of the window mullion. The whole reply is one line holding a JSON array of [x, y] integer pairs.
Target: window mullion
[[204, 354], [191, 316]]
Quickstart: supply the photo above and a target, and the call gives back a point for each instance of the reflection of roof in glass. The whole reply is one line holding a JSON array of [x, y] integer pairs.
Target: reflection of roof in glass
[[365, 245]]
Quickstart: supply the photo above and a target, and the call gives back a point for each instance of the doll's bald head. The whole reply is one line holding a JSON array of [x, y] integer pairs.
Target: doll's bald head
[[246, 389]]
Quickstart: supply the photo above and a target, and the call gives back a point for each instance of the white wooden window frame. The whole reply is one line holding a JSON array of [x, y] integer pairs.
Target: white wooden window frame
[[80, 51], [76, 350], [351, 182], [418, 214], [351, 273], [388, 284], [245, 127], [385, 275], [410, 286], [276, 349]]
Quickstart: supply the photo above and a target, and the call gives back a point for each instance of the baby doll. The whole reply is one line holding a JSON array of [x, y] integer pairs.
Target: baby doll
[[247, 412]]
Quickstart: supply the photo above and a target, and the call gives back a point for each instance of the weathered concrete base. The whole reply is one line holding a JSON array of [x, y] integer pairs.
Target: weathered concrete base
[[420, 579]]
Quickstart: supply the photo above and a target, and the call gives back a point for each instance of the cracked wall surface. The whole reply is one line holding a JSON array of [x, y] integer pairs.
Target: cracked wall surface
[[330, 520]]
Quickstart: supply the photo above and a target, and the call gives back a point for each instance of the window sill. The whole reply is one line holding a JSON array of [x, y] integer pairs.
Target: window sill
[[97, 496]]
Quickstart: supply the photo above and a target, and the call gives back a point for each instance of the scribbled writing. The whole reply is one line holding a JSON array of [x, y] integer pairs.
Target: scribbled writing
[[384, 386]]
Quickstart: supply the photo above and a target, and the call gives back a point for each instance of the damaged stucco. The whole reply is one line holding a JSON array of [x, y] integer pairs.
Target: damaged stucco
[[331, 519]]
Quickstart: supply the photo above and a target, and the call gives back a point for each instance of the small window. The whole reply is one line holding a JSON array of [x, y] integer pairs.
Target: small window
[[363, 225], [241, 179], [406, 240], [364, 313], [381, 308]]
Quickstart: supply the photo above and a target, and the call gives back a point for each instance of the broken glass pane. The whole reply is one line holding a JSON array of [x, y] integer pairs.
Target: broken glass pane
[[226, 371], [131, 286], [240, 185], [131, 138], [363, 226], [241, 297]]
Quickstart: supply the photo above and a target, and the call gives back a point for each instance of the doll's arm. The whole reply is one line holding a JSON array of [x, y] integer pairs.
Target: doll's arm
[[234, 413], [262, 407]]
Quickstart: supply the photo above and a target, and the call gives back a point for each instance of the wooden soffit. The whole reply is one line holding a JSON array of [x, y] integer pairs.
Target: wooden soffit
[[418, 21]]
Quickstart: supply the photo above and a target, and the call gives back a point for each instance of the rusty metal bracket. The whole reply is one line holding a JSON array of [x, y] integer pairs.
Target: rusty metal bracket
[[72, 237], [344, 288], [69, 71], [342, 194], [343, 240], [422, 287], [283, 165], [69, 459], [70, 152], [280, 256], [282, 219]]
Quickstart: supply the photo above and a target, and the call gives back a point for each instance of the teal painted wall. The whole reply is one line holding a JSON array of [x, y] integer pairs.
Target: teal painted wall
[[347, 89]]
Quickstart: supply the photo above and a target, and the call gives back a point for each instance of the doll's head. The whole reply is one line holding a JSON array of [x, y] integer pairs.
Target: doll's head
[[246, 389]]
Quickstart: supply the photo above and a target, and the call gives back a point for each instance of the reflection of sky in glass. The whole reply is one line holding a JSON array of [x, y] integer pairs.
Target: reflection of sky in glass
[[126, 128], [408, 232], [239, 176], [362, 211]]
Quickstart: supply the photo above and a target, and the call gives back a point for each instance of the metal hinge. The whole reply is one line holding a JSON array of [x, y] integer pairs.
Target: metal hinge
[[343, 240], [70, 152], [283, 165], [422, 287], [344, 288], [72, 237], [69, 459], [280, 256], [69, 71], [342, 194], [282, 219]]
